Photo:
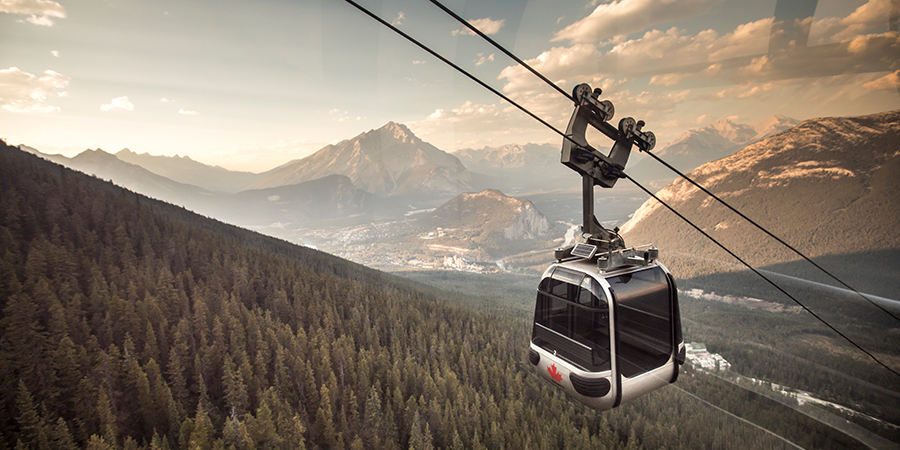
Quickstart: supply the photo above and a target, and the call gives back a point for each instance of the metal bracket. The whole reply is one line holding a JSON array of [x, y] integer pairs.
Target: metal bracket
[[596, 168]]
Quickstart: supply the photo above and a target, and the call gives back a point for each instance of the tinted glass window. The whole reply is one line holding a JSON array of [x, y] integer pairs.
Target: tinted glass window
[[578, 316], [643, 320]]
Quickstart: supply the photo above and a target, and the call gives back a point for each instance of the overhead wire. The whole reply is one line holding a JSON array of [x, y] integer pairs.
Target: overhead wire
[[667, 165], [760, 274], [635, 182], [707, 403]]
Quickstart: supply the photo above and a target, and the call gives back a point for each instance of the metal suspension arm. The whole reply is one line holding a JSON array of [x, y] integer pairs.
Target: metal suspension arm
[[596, 168]]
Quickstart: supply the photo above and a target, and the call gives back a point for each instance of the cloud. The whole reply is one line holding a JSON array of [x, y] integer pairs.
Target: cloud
[[188, 113], [486, 26], [483, 59], [338, 115], [622, 17], [23, 92], [871, 17], [40, 12], [862, 54], [55, 53], [118, 103], [399, 20], [165, 100], [417, 62], [889, 81]]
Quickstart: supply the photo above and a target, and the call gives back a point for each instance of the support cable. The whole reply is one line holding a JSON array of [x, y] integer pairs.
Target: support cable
[[707, 403], [673, 169], [761, 228], [459, 69], [502, 49], [761, 275], [523, 109]]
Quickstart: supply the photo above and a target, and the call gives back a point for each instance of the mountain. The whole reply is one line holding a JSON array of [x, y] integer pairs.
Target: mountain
[[517, 168], [390, 160], [308, 203], [701, 145], [510, 156], [183, 169], [293, 206], [828, 186], [131, 323], [489, 224], [109, 167]]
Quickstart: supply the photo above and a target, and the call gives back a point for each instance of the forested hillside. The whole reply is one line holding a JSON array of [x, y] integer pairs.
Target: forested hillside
[[130, 323]]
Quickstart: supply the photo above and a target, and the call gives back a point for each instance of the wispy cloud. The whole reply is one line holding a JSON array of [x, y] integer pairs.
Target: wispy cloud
[[486, 26], [889, 81], [23, 92], [188, 113], [481, 59], [55, 53], [40, 12], [166, 100], [399, 20], [118, 103]]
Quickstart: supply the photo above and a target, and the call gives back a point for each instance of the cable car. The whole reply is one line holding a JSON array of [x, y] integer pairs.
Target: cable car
[[607, 336], [606, 323]]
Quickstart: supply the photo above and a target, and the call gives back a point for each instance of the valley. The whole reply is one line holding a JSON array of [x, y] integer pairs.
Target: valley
[[482, 238]]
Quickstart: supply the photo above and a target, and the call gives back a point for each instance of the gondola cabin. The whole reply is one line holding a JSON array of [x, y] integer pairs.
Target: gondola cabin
[[607, 336]]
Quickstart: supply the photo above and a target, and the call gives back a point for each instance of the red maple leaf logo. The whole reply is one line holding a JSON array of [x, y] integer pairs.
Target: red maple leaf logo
[[554, 374]]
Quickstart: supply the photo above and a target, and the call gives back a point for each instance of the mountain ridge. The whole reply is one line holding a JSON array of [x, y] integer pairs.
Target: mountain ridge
[[825, 175], [183, 169], [387, 161]]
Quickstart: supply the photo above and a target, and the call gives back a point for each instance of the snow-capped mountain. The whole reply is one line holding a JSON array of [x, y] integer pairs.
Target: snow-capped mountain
[[510, 156], [518, 168], [701, 145], [390, 160], [828, 186]]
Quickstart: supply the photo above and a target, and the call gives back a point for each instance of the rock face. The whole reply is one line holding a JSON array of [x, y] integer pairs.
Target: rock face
[[493, 214], [388, 161], [826, 186], [489, 223]]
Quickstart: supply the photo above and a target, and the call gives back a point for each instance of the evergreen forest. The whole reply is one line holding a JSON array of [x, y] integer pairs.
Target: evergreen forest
[[128, 323]]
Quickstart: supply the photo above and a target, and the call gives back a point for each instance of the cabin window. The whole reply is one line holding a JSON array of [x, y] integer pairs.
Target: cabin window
[[574, 308], [643, 321]]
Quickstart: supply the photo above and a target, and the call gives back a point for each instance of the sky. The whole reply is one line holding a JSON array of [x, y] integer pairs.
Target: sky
[[252, 85]]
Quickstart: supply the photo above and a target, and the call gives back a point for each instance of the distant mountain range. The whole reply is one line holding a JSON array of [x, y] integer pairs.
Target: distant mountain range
[[698, 146], [185, 170], [828, 186], [810, 184], [132, 176], [387, 161], [515, 168]]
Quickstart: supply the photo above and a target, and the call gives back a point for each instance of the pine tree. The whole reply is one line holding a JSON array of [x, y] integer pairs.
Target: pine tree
[[35, 433], [325, 430]]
